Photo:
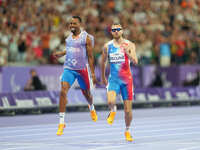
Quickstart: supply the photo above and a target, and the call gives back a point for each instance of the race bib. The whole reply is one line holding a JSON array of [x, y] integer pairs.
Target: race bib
[[117, 57]]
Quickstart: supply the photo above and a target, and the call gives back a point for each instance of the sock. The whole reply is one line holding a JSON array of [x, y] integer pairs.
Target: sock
[[62, 117], [91, 107], [114, 109], [127, 129]]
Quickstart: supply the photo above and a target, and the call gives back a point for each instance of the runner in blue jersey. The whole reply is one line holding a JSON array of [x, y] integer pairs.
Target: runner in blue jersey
[[78, 54], [119, 52]]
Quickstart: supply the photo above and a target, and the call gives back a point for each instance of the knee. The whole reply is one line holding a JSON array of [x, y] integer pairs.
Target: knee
[[63, 93], [87, 94], [63, 96], [128, 111], [111, 102]]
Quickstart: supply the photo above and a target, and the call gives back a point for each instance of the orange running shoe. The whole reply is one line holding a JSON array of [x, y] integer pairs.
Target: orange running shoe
[[60, 129], [111, 117], [93, 115], [128, 136]]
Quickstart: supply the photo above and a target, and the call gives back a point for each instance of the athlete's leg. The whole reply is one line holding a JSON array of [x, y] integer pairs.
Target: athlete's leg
[[88, 96], [128, 113], [112, 91], [111, 97], [89, 99], [62, 106], [127, 95], [128, 119], [66, 81], [83, 80], [65, 86]]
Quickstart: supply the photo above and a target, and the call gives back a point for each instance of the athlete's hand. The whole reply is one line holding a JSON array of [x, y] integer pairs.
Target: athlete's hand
[[59, 54], [56, 55], [127, 49], [104, 81], [94, 80]]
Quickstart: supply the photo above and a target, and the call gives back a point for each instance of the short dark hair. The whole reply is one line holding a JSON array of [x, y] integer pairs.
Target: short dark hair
[[32, 70], [77, 17], [116, 23]]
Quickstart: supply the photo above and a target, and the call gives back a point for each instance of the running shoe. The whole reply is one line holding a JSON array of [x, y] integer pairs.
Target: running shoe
[[111, 117], [93, 115], [60, 129], [128, 136]]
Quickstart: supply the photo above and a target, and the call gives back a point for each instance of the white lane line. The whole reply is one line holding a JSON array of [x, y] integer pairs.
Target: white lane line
[[106, 143], [190, 148], [152, 120], [107, 134], [31, 145], [102, 129], [142, 144], [169, 117], [116, 124], [20, 147], [127, 145], [109, 147]]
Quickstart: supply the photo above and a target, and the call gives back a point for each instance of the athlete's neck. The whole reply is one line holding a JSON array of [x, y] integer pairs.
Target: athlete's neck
[[76, 33], [119, 40]]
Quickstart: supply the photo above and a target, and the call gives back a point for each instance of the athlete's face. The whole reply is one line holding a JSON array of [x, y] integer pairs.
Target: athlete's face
[[74, 25], [116, 31]]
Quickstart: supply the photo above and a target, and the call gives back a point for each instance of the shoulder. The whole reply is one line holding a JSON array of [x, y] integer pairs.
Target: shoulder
[[108, 43], [90, 36], [68, 37], [88, 39], [85, 34], [130, 43], [106, 46]]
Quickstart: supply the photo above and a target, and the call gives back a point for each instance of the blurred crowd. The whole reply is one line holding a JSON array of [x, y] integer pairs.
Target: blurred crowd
[[166, 32]]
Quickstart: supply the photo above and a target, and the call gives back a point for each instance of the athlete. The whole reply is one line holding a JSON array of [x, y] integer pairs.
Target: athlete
[[78, 54], [119, 52]]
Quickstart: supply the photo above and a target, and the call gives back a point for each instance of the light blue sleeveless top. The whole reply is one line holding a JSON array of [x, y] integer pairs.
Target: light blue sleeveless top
[[76, 54]]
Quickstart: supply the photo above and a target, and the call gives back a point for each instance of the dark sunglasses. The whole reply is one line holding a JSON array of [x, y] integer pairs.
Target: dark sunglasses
[[116, 29]]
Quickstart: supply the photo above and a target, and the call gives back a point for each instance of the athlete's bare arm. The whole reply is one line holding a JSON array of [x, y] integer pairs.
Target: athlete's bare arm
[[133, 54], [103, 64], [91, 58], [130, 50], [59, 54]]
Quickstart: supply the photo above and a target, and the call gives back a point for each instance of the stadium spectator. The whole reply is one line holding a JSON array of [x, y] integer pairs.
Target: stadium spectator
[[34, 83], [194, 81], [3, 57], [36, 26], [165, 52], [157, 81]]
